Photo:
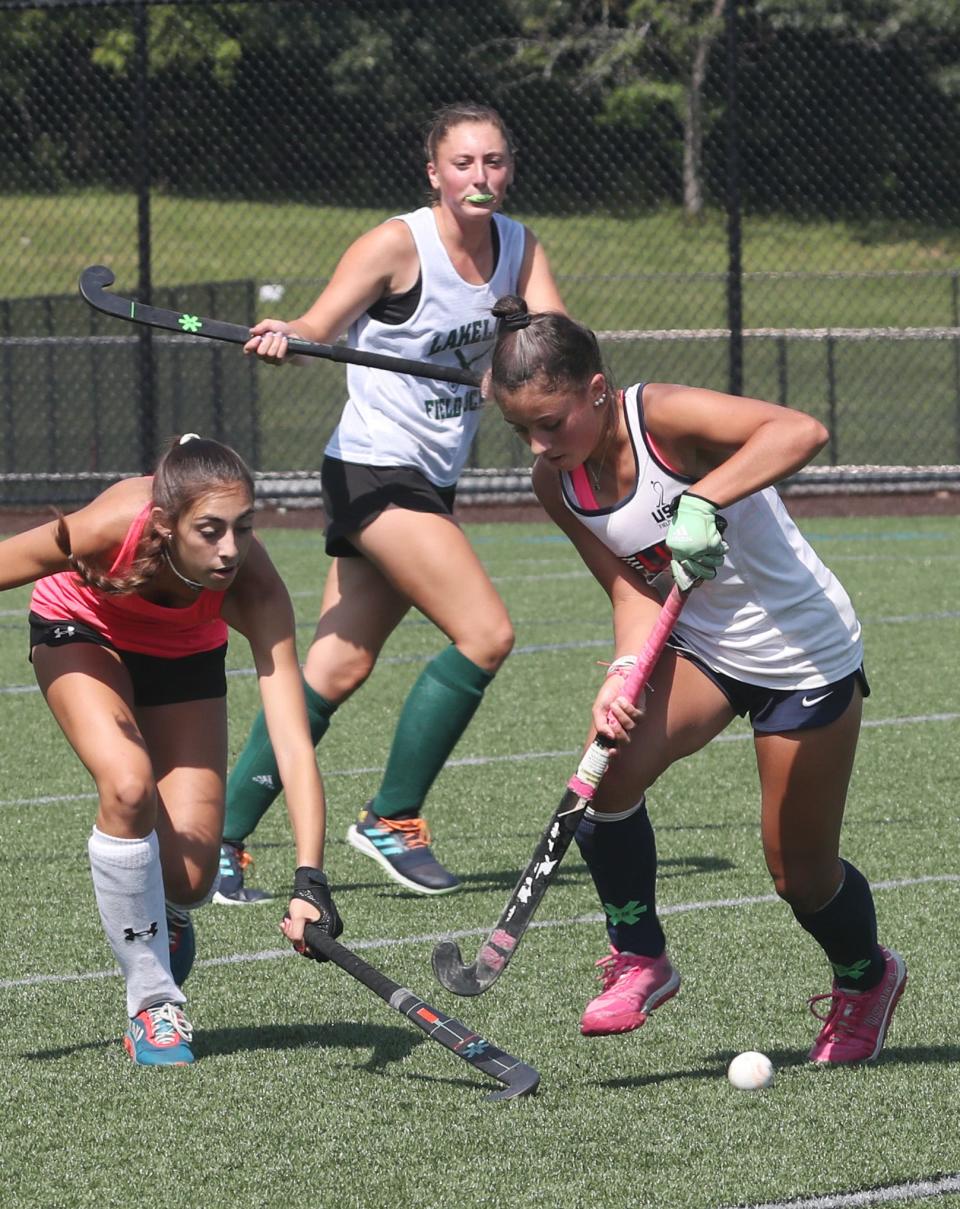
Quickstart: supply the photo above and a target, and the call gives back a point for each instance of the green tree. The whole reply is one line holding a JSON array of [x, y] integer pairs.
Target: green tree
[[928, 29], [638, 58]]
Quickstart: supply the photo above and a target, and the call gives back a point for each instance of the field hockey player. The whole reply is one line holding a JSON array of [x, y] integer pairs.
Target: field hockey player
[[132, 598], [419, 286], [638, 480]]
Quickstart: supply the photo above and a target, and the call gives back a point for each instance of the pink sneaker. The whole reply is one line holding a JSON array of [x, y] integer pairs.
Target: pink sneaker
[[632, 988], [857, 1022]]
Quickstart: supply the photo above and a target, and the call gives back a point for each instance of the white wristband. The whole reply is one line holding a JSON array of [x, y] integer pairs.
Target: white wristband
[[622, 666]]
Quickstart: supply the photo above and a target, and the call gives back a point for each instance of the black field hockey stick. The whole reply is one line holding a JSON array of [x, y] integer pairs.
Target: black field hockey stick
[[93, 289], [501, 944], [517, 1078]]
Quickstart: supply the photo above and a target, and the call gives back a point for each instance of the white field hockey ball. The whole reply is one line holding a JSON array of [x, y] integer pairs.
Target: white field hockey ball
[[750, 1071]]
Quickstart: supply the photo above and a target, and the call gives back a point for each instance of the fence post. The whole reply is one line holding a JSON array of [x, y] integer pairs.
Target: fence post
[[9, 411], [52, 394], [734, 264], [782, 377], [255, 435], [832, 398], [955, 317], [145, 362]]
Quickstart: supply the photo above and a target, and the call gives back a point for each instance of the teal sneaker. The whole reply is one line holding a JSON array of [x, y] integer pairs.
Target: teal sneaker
[[235, 860], [183, 943], [402, 848], [160, 1036]]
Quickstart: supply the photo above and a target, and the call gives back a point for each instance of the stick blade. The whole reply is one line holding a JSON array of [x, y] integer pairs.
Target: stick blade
[[93, 279], [523, 1080], [473, 979]]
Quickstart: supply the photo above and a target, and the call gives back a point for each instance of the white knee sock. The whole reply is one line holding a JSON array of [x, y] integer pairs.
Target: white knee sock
[[128, 884]]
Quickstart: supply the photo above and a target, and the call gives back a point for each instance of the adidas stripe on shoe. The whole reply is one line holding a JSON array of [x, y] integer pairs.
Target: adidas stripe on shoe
[[402, 848]]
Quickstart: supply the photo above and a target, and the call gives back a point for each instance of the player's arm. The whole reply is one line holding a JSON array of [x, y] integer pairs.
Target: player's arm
[[536, 283], [636, 605], [259, 607], [382, 261], [730, 446], [91, 532]]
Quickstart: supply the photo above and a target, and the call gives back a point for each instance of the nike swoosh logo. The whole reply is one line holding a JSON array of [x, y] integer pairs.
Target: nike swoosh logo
[[808, 701]]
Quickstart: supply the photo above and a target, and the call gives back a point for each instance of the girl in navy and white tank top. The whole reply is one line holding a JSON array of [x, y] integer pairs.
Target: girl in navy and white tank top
[[774, 615], [683, 501]]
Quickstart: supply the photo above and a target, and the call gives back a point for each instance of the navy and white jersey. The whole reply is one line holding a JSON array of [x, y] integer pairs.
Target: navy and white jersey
[[393, 419], [774, 616]]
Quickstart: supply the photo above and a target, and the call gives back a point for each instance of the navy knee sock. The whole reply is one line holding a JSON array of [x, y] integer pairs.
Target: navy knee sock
[[621, 853], [846, 930]]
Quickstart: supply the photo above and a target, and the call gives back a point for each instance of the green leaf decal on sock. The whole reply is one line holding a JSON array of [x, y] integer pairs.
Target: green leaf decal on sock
[[629, 913], [856, 971]]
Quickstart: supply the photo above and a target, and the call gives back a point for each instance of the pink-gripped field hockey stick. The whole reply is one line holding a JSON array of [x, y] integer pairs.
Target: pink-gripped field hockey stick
[[501, 944]]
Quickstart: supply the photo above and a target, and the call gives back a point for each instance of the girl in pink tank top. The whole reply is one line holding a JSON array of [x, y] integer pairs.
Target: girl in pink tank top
[[128, 619]]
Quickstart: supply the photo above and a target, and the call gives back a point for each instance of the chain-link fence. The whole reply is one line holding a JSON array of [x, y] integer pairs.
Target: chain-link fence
[[758, 197]]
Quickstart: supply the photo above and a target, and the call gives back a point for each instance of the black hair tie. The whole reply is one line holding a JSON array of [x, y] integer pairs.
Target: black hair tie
[[515, 322]]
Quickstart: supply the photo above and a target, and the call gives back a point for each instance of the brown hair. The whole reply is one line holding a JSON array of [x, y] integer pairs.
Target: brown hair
[[189, 468], [548, 345], [449, 116]]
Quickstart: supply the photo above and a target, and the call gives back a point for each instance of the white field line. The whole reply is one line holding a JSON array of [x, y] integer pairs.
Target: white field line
[[521, 757], [920, 1190], [431, 938], [540, 648]]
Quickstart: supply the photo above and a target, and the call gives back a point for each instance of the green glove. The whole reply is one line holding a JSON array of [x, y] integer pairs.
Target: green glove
[[694, 540]]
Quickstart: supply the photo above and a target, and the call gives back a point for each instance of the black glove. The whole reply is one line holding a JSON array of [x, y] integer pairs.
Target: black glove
[[311, 886]]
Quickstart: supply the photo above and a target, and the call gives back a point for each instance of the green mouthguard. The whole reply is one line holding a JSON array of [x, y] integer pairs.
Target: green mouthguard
[[480, 197]]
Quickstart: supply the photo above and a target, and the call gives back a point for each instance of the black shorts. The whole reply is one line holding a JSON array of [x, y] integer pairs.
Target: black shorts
[[354, 495], [775, 711], [155, 681]]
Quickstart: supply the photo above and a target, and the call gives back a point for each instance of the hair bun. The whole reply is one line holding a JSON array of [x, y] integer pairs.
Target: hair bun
[[512, 314], [189, 436]]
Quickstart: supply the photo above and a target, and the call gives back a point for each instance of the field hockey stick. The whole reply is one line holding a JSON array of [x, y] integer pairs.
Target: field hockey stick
[[517, 1078], [500, 945], [93, 289]]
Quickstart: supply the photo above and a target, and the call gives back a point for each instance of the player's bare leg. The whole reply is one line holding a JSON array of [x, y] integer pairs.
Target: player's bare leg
[[188, 748], [88, 691], [804, 777], [427, 561], [684, 710]]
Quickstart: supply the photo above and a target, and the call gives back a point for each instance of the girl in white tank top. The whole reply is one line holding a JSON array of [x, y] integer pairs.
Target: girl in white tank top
[[418, 286]]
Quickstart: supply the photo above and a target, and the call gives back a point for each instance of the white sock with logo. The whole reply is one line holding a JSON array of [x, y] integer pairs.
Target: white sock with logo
[[128, 884]]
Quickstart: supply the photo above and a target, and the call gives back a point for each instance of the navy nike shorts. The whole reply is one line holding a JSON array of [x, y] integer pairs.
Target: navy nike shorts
[[772, 710]]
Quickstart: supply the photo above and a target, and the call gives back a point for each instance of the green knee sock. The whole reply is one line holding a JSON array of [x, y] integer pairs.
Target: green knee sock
[[434, 716], [255, 781]]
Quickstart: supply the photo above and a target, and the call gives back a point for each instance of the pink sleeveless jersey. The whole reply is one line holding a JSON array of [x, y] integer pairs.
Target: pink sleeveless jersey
[[129, 622]]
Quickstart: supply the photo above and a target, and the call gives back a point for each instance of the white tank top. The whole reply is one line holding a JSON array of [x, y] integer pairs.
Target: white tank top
[[395, 419], [775, 616]]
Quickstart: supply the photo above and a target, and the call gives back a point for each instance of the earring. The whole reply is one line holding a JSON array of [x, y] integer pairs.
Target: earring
[[599, 399]]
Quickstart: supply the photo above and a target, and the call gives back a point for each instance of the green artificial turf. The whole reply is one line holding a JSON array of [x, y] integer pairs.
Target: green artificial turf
[[309, 1090]]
